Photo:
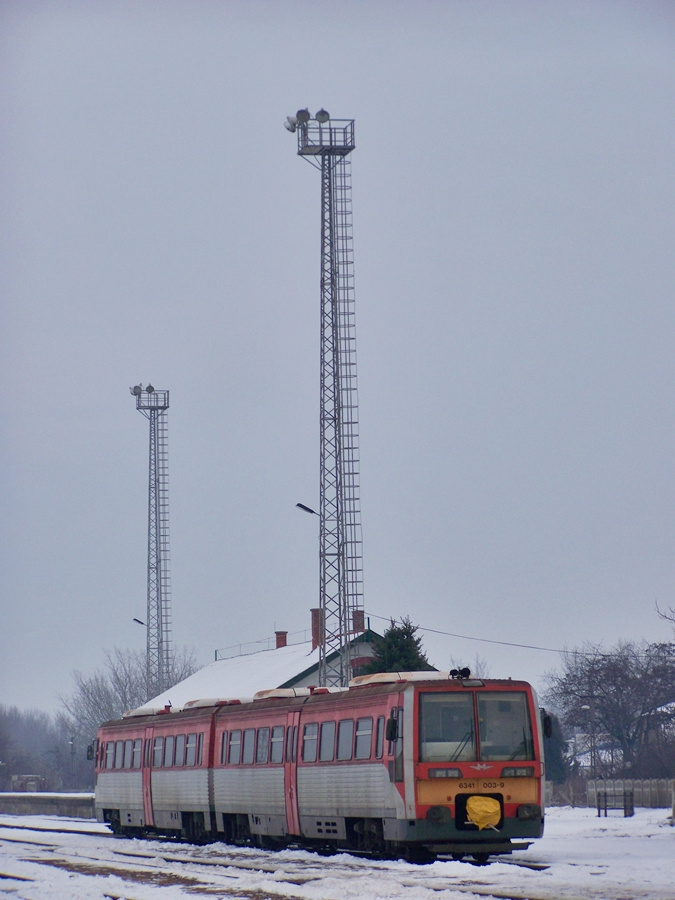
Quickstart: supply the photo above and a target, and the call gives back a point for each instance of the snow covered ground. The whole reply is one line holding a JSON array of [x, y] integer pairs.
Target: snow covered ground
[[585, 858]]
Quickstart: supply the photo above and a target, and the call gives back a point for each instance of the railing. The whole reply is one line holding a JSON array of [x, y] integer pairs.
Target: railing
[[654, 793], [251, 647], [615, 800]]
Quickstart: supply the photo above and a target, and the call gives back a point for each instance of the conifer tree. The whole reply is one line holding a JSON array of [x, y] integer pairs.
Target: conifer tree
[[399, 650]]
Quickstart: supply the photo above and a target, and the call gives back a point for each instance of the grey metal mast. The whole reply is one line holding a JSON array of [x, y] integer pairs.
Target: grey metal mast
[[154, 405], [326, 143]]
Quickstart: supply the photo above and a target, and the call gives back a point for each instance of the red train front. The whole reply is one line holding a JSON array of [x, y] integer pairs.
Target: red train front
[[409, 764]]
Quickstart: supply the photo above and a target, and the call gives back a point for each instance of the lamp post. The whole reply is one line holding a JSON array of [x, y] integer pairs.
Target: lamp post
[[590, 709]]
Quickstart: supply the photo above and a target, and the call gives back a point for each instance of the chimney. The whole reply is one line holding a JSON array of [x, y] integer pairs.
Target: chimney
[[281, 638], [359, 621], [317, 627]]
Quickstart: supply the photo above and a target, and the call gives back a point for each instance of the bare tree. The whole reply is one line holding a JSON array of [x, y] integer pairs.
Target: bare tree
[[626, 694], [667, 616], [119, 686], [479, 668]]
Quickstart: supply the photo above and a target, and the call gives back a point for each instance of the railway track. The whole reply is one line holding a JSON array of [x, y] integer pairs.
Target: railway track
[[218, 871]]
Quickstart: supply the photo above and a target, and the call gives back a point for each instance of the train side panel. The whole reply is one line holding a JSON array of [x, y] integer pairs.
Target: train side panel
[[177, 793], [121, 791]]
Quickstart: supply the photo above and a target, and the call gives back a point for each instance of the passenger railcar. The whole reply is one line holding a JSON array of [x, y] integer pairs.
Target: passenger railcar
[[405, 764]]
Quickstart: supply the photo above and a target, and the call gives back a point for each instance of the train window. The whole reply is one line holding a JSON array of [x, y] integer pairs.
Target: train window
[[179, 757], [364, 738], [277, 744], [505, 730], [248, 746], [310, 737], [136, 754], [119, 754], [128, 747], [327, 743], [110, 755], [263, 746], [168, 750], [191, 750], [223, 749], [235, 748], [158, 752], [379, 738], [200, 745], [447, 732], [345, 738]]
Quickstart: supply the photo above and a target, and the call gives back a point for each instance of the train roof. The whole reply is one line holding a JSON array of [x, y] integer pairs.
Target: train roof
[[360, 687]]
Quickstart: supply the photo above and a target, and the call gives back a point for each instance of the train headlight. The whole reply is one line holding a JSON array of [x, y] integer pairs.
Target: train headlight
[[529, 811], [445, 773], [518, 772]]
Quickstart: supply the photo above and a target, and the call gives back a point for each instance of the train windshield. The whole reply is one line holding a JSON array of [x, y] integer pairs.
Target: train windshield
[[448, 733], [505, 728]]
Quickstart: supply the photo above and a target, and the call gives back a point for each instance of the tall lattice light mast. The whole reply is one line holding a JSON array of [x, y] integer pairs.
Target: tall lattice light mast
[[326, 143], [154, 405]]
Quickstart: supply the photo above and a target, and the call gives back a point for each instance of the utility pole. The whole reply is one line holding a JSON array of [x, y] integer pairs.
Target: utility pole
[[154, 405], [326, 143]]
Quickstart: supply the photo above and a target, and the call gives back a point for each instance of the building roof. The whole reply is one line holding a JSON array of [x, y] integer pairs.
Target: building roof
[[240, 677]]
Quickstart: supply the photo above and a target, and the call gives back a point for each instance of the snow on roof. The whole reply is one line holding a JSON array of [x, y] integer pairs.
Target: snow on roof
[[240, 677]]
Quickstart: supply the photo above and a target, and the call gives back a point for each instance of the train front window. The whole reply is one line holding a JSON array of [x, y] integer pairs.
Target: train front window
[[505, 728], [447, 732]]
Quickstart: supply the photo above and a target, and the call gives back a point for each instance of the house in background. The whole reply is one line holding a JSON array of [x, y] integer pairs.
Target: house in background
[[285, 666]]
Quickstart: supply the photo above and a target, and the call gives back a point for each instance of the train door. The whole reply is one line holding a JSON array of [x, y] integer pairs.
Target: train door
[[147, 777], [291, 773]]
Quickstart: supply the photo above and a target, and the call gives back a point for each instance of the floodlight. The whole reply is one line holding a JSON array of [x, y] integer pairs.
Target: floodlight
[[307, 509], [322, 116], [150, 389], [291, 123], [303, 116]]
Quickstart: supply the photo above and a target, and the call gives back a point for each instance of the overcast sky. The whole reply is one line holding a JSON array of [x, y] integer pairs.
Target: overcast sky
[[514, 226]]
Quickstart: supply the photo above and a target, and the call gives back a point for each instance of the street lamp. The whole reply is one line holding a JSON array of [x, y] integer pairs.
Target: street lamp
[[307, 509]]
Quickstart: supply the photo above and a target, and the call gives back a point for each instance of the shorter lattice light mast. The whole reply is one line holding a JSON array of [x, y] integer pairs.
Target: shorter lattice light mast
[[154, 405]]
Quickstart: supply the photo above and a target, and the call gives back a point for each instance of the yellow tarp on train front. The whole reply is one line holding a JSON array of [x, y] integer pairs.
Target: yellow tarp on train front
[[484, 812]]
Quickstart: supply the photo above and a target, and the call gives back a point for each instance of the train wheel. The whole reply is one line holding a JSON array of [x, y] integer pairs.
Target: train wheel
[[193, 828], [420, 856], [480, 859]]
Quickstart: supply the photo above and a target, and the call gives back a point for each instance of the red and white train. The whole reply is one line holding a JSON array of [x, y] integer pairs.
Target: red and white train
[[404, 764]]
